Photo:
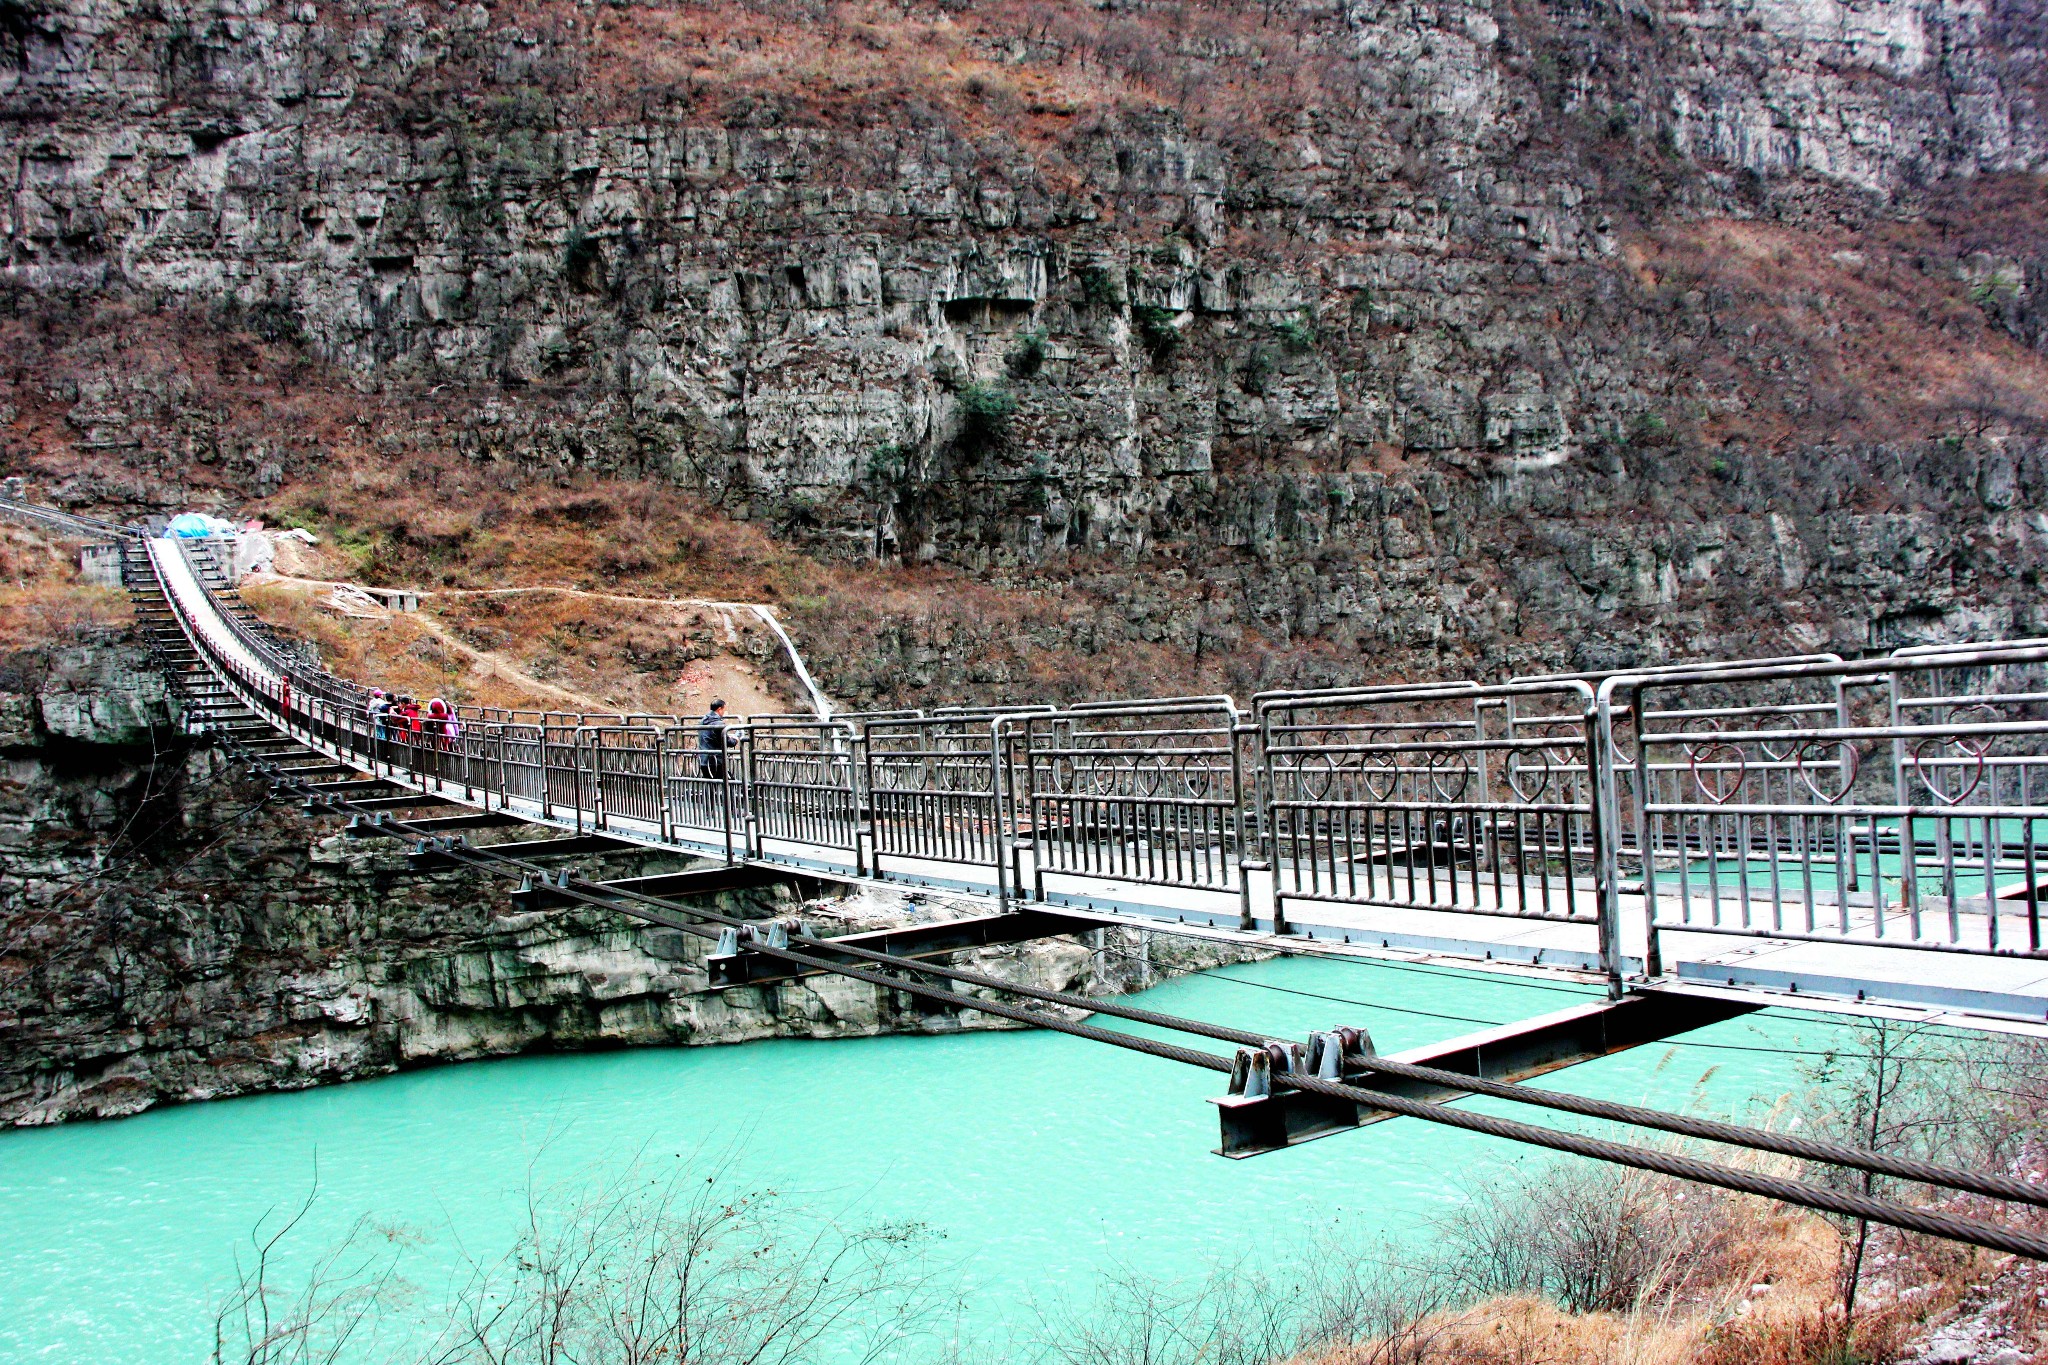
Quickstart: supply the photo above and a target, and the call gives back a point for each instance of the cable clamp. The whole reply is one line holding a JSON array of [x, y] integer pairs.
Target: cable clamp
[[1251, 1073]]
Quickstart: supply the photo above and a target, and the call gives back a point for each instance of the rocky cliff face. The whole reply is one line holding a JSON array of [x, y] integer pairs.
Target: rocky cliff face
[[1489, 335], [169, 932]]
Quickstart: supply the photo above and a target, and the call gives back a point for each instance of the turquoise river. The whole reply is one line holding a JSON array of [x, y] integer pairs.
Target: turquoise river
[[1044, 1160]]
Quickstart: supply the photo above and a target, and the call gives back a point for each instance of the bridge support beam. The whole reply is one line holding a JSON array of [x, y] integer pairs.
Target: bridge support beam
[[572, 846], [745, 968], [696, 882], [1253, 1125]]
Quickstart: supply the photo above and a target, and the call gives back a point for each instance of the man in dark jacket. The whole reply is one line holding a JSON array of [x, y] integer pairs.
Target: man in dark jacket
[[711, 742]]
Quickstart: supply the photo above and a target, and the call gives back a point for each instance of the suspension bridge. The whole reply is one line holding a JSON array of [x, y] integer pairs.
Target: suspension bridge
[[1703, 840]]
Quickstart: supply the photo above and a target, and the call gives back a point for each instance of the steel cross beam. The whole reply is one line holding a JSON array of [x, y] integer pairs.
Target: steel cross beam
[[747, 967], [1254, 1125]]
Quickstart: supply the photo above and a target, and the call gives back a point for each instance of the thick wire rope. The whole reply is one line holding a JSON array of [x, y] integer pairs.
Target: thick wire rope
[[1990, 1185], [1786, 1190]]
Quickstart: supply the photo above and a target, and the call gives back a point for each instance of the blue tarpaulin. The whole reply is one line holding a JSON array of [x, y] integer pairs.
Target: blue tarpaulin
[[199, 524]]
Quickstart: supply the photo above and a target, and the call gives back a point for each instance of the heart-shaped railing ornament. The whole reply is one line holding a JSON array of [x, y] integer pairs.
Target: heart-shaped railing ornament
[[1442, 767], [1973, 746], [1813, 753], [1932, 780], [1711, 774], [1316, 775], [1519, 769], [1380, 776], [1770, 749], [1379, 772], [1148, 775]]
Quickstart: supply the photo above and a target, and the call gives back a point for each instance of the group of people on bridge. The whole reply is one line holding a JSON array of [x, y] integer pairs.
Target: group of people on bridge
[[393, 715], [397, 716]]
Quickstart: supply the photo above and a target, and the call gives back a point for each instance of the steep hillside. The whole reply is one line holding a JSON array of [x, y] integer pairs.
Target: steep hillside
[[1216, 342]]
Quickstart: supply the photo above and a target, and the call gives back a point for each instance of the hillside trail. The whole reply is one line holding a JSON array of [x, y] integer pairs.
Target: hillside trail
[[820, 703], [483, 662], [727, 676]]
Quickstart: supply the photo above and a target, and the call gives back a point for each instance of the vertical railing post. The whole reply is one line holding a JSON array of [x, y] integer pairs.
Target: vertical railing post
[[1639, 785], [1605, 809], [867, 847], [1269, 836], [725, 801], [750, 795], [1004, 845], [661, 819], [1909, 842], [1028, 767]]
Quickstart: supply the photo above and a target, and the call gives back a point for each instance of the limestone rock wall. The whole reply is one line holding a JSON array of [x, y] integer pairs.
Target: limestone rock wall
[[1390, 362]]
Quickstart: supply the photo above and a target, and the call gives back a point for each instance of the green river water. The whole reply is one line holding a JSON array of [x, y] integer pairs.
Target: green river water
[[1044, 1160]]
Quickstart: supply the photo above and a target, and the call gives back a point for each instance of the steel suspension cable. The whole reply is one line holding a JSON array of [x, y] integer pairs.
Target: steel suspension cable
[[1989, 1184], [1798, 1192]]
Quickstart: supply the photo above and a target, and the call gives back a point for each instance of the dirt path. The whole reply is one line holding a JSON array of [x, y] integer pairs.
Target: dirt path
[[482, 662], [490, 663], [716, 677], [729, 676]]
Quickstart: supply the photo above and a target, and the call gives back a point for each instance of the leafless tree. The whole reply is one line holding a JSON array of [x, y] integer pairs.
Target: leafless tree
[[1324, 1296], [323, 1317], [683, 1268]]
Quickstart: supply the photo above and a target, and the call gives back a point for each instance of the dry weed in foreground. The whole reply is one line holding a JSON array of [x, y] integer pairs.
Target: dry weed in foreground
[[1580, 1264]]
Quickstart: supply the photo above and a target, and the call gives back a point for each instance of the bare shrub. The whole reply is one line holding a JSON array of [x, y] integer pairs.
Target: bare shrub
[[1917, 1090], [687, 1269], [330, 1314], [1589, 1238], [1366, 1307], [680, 1268]]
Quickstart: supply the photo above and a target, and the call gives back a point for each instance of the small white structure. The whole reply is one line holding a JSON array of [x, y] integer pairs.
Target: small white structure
[[99, 566]]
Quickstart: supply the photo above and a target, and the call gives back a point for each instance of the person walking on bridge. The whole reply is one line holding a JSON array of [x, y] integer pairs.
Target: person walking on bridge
[[711, 742]]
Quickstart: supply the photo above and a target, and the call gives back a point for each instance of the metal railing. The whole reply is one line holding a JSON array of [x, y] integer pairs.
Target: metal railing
[[1476, 799], [1145, 793], [66, 523], [1892, 802], [1895, 802]]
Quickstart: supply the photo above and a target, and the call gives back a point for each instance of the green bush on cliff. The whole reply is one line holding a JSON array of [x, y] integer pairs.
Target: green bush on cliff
[[985, 413], [1027, 358], [1298, 332], [1156, 330]]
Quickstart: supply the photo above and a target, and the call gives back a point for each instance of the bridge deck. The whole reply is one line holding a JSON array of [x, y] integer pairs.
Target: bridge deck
[[1478, 924]]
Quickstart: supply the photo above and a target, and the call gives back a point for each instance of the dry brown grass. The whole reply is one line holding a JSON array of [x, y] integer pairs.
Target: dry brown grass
[[41, 599], [545, 648], [1801, 335], [1773, 1299], [1688, 1276], [879, 633], [400, 652], [1015, 71]]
